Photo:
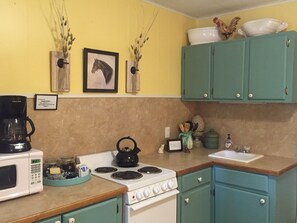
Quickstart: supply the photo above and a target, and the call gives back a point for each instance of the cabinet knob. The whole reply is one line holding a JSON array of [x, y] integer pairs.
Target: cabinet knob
[[205, 95], [187, 200], [262, 201], [71, 220], [237, 95], [199, 179], [251, 95]]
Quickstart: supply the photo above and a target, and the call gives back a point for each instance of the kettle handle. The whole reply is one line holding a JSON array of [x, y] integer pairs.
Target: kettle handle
[[127, 137], [32, 127]]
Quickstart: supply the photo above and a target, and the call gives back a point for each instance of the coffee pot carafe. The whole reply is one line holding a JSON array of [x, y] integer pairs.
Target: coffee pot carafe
[[13, 125]]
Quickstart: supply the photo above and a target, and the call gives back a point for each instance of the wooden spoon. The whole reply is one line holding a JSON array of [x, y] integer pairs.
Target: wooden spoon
[[181, 127]]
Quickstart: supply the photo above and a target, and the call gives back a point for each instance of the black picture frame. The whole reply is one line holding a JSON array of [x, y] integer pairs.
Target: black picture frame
[[174, 145], [100, 71], [45, 102]]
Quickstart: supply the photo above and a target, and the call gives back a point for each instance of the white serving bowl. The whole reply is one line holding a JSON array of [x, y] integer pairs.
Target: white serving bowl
[[262, 27], [204, 35]]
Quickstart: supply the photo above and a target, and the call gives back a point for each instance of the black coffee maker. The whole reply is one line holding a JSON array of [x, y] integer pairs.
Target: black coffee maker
[[13, 125]]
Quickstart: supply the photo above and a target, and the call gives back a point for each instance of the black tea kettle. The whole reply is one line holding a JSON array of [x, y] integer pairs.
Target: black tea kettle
[[127, 157]]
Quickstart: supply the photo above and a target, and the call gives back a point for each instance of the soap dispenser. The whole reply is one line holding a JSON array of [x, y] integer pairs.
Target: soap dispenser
[[228, 142]]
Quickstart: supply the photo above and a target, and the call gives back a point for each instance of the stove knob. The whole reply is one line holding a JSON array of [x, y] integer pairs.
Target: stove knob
[[139, 196], [146, 193], [170, 185], [164, 186], [156, 190]]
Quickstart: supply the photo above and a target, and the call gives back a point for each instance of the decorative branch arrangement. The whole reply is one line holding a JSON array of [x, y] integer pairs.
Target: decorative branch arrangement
[[60, 59], [132, 67], [136, 48], [66, 37]]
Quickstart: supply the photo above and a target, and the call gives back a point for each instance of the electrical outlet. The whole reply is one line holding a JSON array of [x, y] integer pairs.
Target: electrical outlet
[[167, 132]]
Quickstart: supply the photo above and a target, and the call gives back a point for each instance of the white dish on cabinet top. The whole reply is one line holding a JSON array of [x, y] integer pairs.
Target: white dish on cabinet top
[[204, 35], [263, 26], [236, 156]]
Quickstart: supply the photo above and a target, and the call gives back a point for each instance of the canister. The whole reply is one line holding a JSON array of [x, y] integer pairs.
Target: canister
[[211, 139]]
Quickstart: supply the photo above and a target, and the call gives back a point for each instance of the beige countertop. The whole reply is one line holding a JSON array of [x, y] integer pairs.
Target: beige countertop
[[184, 163], [57, 200], [54, 201]]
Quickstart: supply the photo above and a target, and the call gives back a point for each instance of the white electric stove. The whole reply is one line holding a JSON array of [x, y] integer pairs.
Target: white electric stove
[[150, 195]]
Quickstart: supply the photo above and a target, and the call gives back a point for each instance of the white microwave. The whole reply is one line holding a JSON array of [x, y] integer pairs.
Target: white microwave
[[20, 174]]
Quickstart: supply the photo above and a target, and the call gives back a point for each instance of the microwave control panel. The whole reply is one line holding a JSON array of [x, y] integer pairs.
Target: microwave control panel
[[36, 171]]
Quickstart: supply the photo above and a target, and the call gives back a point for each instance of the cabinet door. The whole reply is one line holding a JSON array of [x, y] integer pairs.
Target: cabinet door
[[234, 206], [228, 70], [268, 68], [56, 219], [106, 212], [196, 205], [196, 72]]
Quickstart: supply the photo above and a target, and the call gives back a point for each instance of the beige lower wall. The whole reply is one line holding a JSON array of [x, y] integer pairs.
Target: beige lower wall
[[267, 128], [83, 126]]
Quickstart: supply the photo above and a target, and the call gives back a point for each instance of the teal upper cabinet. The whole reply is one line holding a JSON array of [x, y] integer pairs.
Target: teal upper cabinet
[[197, 67], [228, 70], [255, 69], [271, 63]]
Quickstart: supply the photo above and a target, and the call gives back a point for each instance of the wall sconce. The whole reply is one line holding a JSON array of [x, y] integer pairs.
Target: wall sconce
[[132, 78], [60, 72]]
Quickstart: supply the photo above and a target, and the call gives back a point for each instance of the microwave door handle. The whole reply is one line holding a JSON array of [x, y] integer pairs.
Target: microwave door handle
[[145, 203]]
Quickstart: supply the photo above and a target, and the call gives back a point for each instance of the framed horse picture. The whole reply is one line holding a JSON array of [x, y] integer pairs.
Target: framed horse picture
[[100, 71]]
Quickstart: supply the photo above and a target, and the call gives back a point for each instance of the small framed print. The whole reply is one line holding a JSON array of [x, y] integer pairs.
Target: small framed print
[[46, 102], [174, 145]]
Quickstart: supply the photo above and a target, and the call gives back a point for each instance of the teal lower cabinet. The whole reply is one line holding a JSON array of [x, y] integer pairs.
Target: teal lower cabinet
[[109, 211], [243, 197], [195, 198], [56, 219]]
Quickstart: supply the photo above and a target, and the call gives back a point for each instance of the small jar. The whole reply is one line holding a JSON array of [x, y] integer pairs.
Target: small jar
[[68, 165], [52, 170]]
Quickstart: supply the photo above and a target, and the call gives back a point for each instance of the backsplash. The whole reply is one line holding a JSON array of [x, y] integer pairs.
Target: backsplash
[[267, 128], [89, 125]]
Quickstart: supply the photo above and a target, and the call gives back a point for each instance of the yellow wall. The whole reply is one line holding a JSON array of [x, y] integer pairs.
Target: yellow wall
[[111, 25], [285, 12]]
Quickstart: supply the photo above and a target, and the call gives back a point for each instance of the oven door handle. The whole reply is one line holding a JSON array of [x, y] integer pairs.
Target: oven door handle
[[153, 200]]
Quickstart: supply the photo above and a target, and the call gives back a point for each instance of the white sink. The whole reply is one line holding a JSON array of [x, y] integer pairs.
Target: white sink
[[236, 156]]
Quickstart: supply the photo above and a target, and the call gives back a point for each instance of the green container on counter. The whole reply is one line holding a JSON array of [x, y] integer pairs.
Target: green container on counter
[[211, 139]]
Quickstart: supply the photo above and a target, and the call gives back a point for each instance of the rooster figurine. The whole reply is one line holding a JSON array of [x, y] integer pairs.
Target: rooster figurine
[[224, 29]]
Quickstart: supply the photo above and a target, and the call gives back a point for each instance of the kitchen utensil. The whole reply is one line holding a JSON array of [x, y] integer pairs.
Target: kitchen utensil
[[187, 127], [127, 157], [13, 130], [181, 127]]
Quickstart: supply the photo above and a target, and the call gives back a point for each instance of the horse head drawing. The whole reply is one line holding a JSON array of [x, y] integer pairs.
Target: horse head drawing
[[104, 67]]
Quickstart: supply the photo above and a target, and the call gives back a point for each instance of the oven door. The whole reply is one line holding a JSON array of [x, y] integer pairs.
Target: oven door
[[158, 209]]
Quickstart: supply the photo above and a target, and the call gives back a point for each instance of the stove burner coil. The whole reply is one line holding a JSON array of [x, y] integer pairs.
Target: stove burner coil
[[149, 170], [126, 175], [105, 169]]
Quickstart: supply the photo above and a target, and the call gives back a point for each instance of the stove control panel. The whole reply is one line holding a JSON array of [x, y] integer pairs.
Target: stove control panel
[[150, 191]]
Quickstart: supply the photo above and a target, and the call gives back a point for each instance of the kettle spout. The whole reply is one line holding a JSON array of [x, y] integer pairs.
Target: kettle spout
[[136, 150]]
